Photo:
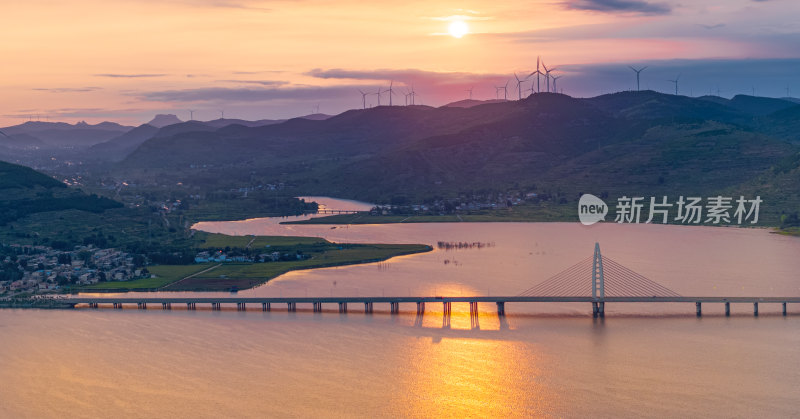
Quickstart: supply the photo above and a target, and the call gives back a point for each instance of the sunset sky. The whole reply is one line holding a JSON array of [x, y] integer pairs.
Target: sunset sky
[[126, 60]]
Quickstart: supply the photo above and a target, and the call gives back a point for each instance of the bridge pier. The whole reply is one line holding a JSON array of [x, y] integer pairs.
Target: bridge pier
[[241, 307], [191, 306], [367, 307], [342, 307], [755, 309], [216, 306], [292, 307], [501, 308], [699, 307], [266, 307], [473, 308], [598, 309], [317, 306], [446, 307], [141, 306], [784, 308], [394, 308], [420, 307], [727, 309]]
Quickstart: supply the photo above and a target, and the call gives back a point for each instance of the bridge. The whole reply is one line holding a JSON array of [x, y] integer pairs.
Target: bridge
[[597, 280], [334, 211]]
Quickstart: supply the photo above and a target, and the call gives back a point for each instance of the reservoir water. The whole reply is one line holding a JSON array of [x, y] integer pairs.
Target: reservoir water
[[539, 361]]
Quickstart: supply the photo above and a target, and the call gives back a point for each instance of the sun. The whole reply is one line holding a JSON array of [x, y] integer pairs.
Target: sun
[[458, 29]]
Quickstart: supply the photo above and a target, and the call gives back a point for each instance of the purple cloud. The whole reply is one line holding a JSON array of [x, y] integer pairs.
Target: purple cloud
[[622, 6]]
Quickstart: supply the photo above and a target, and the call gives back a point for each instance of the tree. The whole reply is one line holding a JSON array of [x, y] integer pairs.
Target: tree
[[84, 255]]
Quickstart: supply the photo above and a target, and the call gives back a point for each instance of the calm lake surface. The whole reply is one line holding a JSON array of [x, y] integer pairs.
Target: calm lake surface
[[542, 360]]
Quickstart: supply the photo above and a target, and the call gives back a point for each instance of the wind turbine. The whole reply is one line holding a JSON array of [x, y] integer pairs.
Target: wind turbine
[[363, 99], [538, 73], [391, 92], [470, 92], [191, 114], [504, 89], [222, 114], [519, 85], [555, 78], [638, 72], [413, 96], [676, 83], [378, 93], [547, 75]]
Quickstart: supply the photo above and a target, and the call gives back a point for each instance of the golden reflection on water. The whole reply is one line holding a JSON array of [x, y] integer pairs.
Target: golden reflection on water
[[456, 375]]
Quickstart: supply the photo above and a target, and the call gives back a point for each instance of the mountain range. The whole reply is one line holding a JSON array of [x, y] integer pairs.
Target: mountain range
[[643, 143], [626, 143]]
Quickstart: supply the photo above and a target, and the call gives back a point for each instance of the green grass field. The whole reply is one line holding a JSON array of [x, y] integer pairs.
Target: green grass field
[[522, 213], [224, 276], [221, 241], [165, 274], [789, 231], [245, 275]]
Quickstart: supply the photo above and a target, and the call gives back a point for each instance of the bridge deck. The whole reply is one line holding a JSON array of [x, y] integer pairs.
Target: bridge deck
[[494, 299]]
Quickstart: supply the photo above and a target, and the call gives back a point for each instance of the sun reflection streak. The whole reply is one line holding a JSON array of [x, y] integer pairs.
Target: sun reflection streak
[[466, 377]]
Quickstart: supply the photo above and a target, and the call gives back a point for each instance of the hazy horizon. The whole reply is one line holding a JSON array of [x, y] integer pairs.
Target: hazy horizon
[[127, 60]]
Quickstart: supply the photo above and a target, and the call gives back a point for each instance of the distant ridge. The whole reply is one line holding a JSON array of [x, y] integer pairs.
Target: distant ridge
[[468, 103], [316, 116], [162, 120]]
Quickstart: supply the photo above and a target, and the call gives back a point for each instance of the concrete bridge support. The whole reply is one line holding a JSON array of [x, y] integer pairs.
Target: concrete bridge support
[[342, 307], [501, 308], [317, 306], [216, 306], [292, 307], [755, 309], [699, 307], [446, 307], [394, 308], [784, 308], [727, 309], [598, 309], [420, 307], [166, 306], [473, 308], [266, 307], [368, 307], [241, 307]]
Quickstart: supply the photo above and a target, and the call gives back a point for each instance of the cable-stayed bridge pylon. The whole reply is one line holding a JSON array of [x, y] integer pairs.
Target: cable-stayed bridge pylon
[[598, 276]]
